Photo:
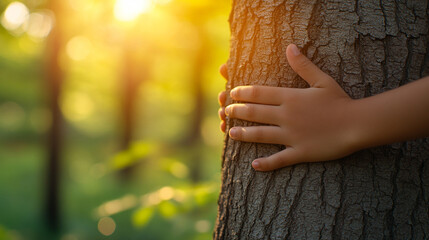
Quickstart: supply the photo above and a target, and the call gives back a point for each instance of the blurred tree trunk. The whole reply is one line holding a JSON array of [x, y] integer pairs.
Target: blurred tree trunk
[[368, 47], [54, 77], [132, 75], [194, 138]]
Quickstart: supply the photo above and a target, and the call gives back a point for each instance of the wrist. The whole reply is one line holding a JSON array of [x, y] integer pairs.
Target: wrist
[[356, 131]]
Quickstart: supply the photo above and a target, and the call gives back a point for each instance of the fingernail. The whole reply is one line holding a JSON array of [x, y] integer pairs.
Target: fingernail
[[232, 93], [255, 164], [227, 109], [233, 132], [294, 49]]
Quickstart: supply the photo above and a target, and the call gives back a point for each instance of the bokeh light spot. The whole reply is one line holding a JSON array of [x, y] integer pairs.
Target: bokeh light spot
[[12, 115], [106, 226], [202, 226], [14, 16], [78, 48], [77, 106], [179, 169], [166, 193], [40, 24]]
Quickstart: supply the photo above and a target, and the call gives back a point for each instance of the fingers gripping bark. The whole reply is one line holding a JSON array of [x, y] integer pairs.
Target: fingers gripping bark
[[309, 122]]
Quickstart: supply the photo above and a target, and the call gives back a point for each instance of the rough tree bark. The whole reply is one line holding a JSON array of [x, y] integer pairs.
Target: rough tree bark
[[368, 46]]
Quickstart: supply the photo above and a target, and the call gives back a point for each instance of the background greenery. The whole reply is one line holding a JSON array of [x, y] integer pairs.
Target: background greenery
[[160, 198]]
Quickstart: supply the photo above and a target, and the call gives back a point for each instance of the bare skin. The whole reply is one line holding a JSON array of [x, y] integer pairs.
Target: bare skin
[[322, 122]]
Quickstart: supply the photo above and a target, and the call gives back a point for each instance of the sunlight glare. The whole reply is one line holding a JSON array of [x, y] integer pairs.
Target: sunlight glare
[[14, 16], [128, 10]]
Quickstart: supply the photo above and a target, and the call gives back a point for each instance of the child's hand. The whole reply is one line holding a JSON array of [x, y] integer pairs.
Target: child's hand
[[312, 123]]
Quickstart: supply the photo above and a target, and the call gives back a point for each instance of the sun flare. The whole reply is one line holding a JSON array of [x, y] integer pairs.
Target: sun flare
[[128, 10]]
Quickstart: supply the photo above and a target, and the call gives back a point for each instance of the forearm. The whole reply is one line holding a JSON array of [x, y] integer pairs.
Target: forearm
[[396, 115]]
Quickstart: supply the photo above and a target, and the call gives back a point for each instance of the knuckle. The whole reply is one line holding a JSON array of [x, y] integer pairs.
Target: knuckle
[[290, 98], [250, 111], [235, 93], [231, 111], [258, 134], [253, 92]]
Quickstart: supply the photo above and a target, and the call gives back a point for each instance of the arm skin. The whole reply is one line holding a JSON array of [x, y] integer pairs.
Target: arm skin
[[322, 122]]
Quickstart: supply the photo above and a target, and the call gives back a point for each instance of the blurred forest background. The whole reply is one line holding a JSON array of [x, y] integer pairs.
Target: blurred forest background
[[108, 118]]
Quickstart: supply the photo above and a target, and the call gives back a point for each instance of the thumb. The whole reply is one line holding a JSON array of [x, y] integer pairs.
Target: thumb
[[306, 69], [286, 157]]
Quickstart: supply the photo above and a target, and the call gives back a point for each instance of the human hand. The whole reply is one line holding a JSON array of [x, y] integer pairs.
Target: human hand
[[313, 123]]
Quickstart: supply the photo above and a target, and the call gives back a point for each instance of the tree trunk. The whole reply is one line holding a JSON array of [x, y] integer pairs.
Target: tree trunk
[[132, 77], [193, 140], [54, 79], [368, 47]]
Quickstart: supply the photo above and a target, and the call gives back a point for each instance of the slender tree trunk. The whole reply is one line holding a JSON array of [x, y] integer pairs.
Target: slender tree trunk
[[54, 78], [197, 79], [368, 46], [132, 77]]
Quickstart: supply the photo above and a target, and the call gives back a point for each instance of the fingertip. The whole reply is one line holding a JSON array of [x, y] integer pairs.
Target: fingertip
[[221, 113], [261, 165], [292, 50], [278, 160], [223, 126], [222, 98], [234, 93], [224, 71], [256, 165], [305, 68], [234, 133]]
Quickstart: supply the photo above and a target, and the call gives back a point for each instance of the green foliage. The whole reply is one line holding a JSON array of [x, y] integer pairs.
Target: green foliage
[[174, 202], [8, 235], [137, 151]]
